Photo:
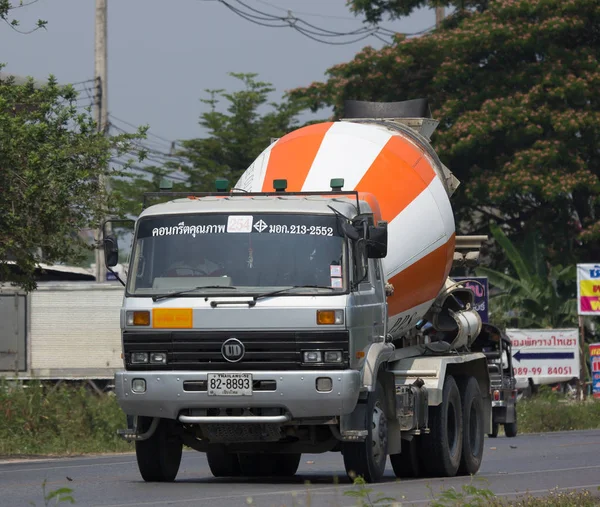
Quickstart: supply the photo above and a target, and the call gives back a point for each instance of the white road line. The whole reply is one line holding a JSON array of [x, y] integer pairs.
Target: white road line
[[327, 490], [223, 497], [67, 466], [515, 494]]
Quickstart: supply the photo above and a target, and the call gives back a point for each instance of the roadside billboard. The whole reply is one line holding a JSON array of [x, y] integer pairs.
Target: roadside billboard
[[588, 289], [481, 293], [546, 356], [595, 369]]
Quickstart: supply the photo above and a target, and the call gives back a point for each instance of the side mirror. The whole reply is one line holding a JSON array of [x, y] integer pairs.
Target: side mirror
[[111, 251], [377, 241]]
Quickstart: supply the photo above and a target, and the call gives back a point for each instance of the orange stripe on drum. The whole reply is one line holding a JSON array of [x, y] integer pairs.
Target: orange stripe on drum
[[293, 155], [421, 282], [397, 176]]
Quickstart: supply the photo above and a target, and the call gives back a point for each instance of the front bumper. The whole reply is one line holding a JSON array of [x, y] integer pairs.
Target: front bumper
[[295, 392]]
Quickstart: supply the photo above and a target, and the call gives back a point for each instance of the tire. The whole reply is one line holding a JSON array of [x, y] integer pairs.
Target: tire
[[256, 465], [441, 449], [495, 428], [406, 465], [223, 463], [158, 457], [368, 458], [473, 432], [286, 465], [510, 429]]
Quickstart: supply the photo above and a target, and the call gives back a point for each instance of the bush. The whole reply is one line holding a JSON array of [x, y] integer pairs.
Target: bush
[[40, 418], [550, 411]]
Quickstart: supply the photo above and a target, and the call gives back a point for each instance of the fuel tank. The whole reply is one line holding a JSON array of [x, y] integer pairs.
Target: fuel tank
[[392, 159]]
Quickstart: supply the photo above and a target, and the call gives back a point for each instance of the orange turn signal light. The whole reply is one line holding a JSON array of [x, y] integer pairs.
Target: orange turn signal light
[[141, 318]]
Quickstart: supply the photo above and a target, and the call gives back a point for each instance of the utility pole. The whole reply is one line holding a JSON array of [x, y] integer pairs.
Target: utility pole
[[439, 16], [101, 110]]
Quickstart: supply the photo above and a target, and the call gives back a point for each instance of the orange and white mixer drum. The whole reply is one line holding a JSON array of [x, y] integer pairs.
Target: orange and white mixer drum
[[406, 182]]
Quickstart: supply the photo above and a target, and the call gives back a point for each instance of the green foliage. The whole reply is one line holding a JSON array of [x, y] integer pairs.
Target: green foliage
[[468, 496], [374, 10], [517, 90], [39, 418], [52, 159], [6, 8], [235, 138], [60, 495], [238, 136], [363, 494], [549, 411], [539, 296]]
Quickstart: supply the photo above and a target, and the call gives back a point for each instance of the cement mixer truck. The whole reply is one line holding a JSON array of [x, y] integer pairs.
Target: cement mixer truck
[[308, 309]]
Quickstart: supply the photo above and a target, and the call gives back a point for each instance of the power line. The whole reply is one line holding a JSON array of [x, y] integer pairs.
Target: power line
[[310, 30]]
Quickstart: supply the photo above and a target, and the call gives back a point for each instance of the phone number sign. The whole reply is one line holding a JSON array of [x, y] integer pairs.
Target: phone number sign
[[541, 354]]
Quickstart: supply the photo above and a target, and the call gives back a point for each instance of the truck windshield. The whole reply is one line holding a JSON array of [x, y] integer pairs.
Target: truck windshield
[[251, 253]]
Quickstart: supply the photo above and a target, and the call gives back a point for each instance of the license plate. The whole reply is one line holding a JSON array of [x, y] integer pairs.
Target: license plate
[[229, 384]]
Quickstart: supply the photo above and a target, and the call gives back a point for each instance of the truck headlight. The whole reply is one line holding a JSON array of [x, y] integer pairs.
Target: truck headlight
[[158, 358], [139, 357], [333, 356], [313, 356]]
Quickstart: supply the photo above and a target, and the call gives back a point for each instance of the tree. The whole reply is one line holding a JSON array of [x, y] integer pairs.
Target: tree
[[52, 159], [6, 8], [517, 90], [374, 10], [539, 295], [235, 138]]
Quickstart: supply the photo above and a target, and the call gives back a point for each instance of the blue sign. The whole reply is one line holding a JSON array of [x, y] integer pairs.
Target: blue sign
[[479, 286]]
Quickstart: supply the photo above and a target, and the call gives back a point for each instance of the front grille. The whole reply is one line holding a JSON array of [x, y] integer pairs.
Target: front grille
[[201, 350]]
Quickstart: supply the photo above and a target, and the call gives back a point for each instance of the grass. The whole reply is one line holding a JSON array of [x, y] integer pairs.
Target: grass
[[550, 411], [40, 419]]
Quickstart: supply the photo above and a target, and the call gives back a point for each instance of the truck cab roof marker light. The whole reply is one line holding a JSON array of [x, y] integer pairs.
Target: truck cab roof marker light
[[336, 183], [280, 185], [221, 184]]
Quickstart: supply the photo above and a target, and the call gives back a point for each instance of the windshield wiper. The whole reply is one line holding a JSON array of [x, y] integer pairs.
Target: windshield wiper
[[179, 292], [275, 292]]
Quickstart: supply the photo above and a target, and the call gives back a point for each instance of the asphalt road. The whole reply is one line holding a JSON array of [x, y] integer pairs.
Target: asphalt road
[[528, 463]]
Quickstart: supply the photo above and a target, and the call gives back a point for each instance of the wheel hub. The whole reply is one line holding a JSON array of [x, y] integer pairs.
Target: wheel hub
[[379, 434]]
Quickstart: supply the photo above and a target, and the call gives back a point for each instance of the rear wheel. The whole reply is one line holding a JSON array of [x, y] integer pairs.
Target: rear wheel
[[223, 463], [406, 464], [368, 458], [255, 465], [269, 465], [510, 429], [494, 433], [442, 447], [159, 456], [473, 432], [286, 465]]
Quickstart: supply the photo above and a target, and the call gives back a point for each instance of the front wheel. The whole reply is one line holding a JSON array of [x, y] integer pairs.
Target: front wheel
[[368, 458], [159, 456]]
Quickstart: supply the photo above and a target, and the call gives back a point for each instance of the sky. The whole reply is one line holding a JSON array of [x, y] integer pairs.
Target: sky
[[163, 55]]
